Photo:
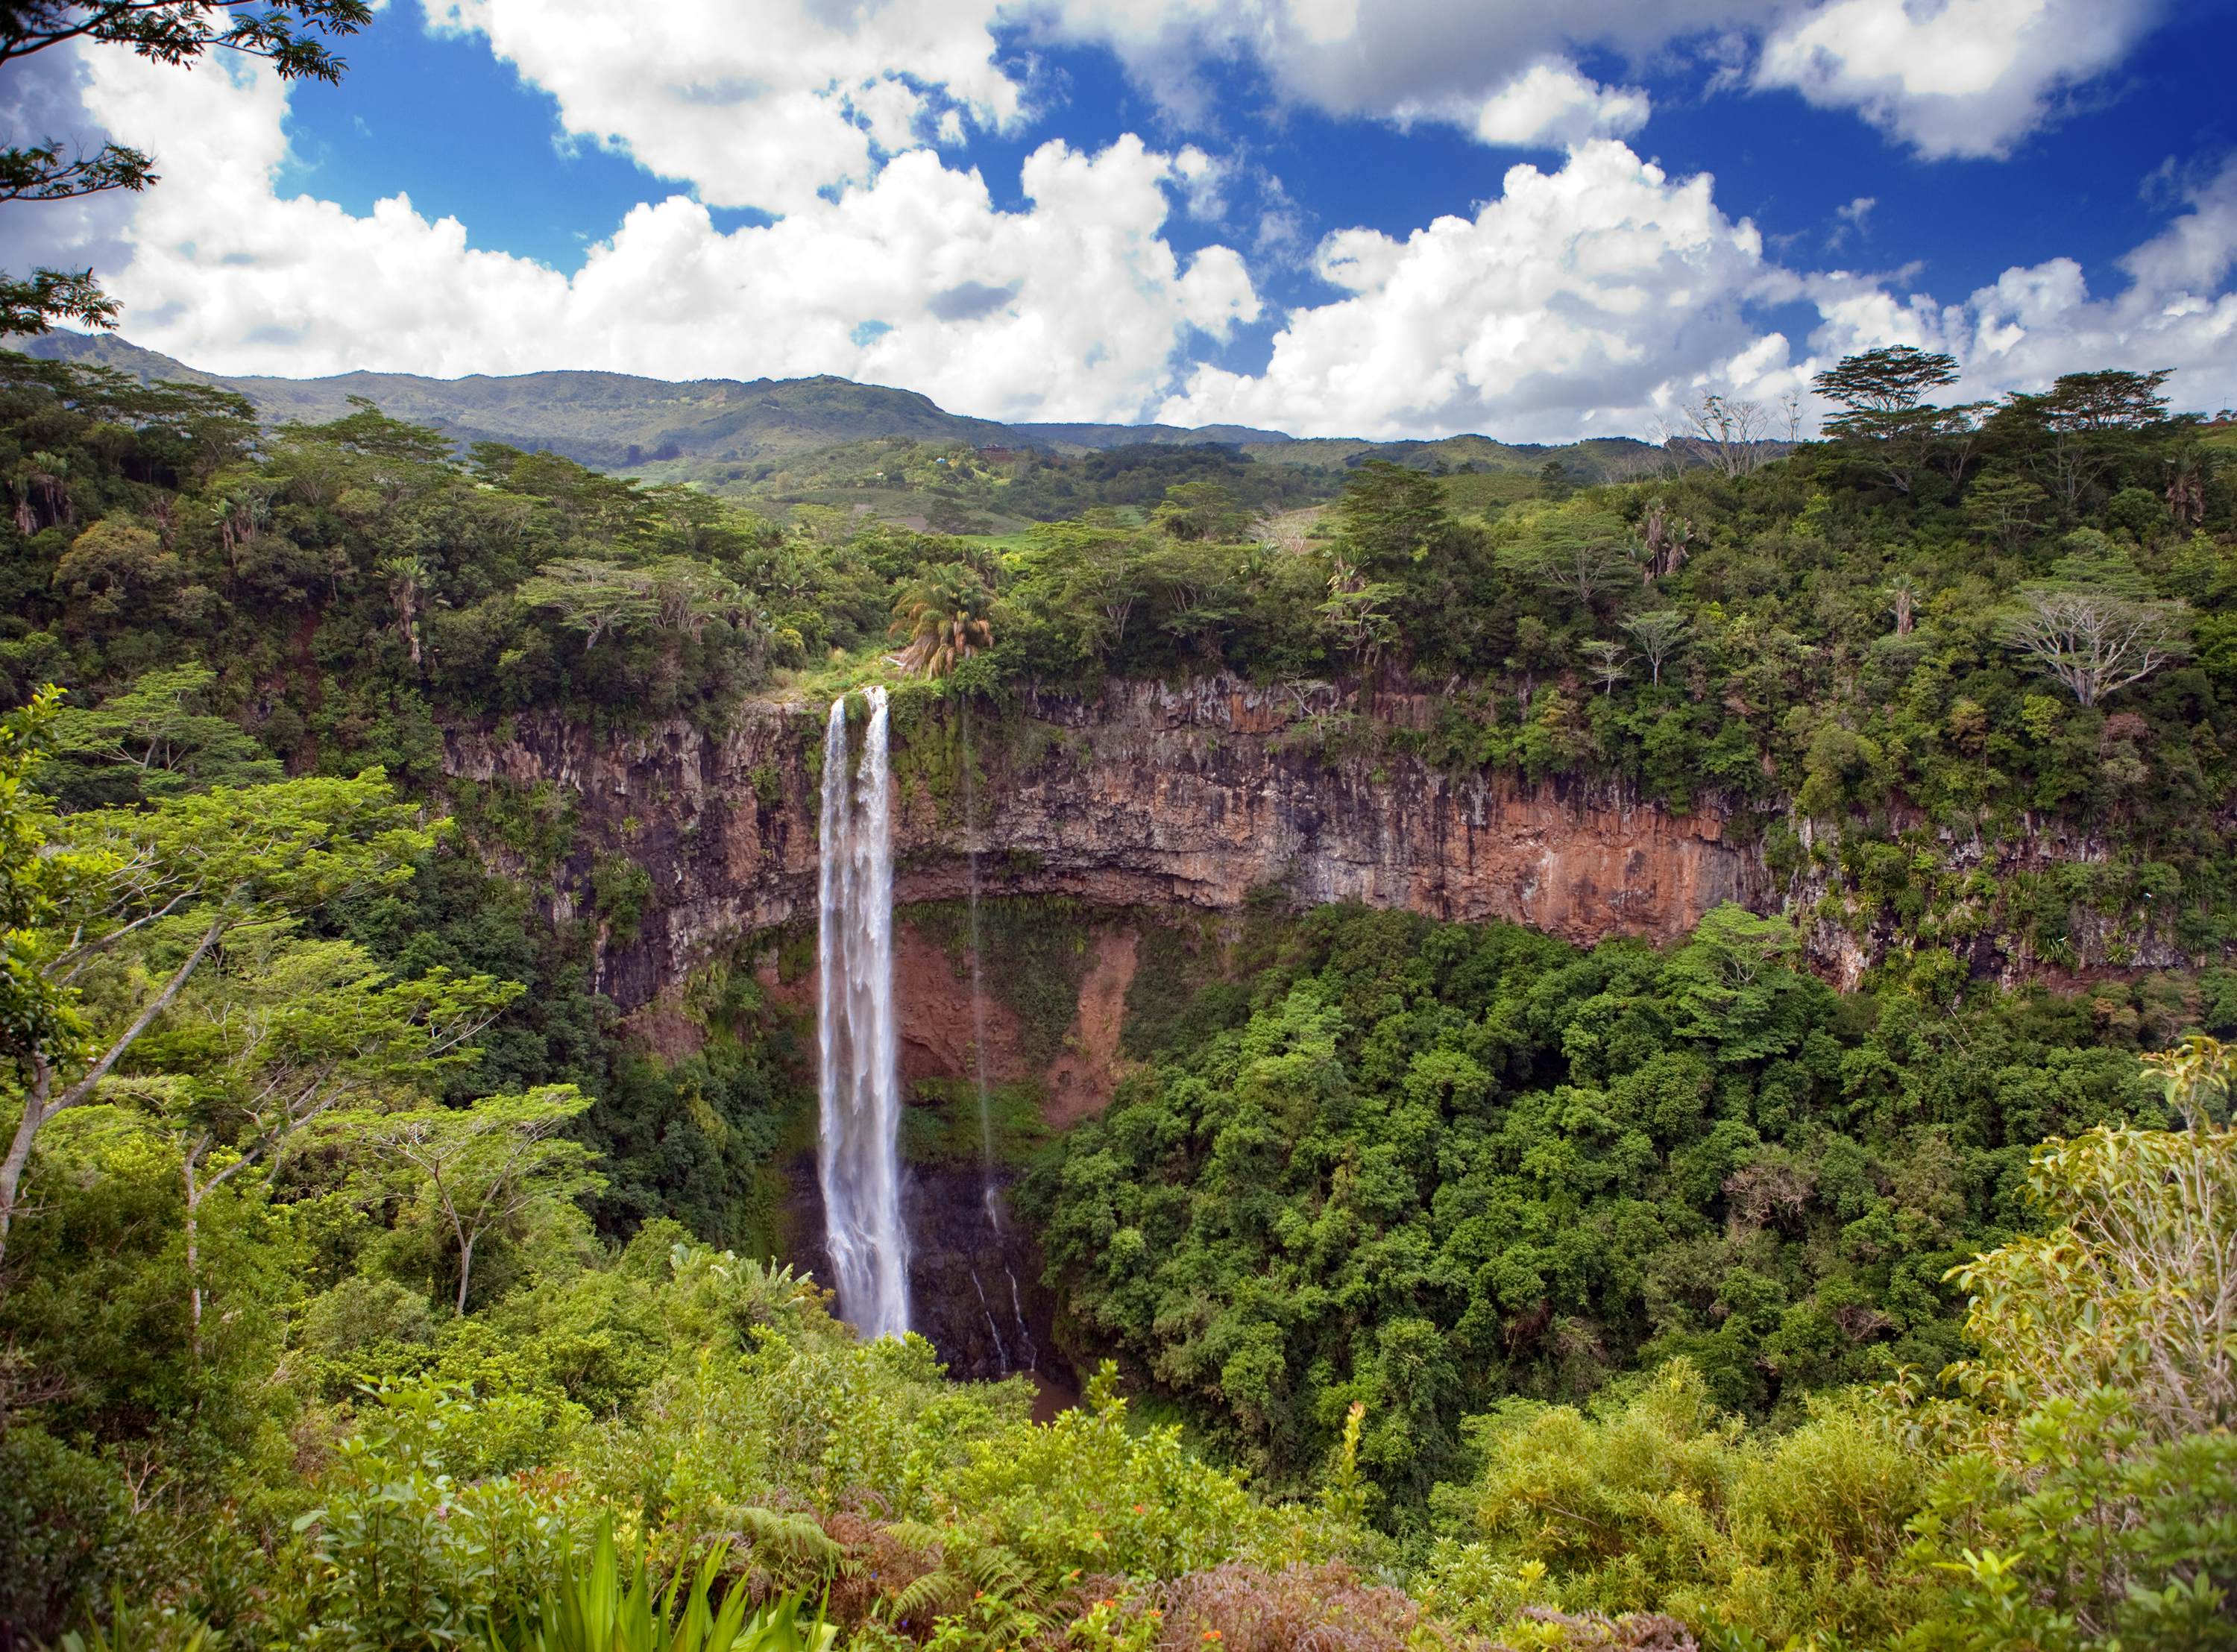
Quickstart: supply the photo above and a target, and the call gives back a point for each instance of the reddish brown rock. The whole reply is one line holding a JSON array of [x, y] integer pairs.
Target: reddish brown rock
[[1148, 795], [1079, 1082]]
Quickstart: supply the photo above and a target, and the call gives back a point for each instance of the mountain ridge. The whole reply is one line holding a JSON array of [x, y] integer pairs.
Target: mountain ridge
[[624, 419]]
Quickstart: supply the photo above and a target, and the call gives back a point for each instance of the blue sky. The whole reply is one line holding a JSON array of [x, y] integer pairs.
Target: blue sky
[[1299, 213]]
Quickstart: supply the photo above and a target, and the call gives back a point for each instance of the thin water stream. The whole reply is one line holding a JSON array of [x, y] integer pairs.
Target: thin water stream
[[990, 1193]]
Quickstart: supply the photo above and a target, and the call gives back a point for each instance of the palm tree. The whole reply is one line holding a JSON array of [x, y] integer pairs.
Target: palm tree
[[944, 617]]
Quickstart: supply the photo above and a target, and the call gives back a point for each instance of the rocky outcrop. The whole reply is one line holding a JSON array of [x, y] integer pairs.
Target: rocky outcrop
[[1153, 796], [1149, 795]]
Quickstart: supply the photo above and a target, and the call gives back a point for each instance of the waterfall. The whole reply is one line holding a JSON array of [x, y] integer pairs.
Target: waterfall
[[858, 1156]]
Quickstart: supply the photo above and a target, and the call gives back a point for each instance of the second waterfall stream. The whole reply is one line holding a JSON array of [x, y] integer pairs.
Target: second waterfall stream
[[858, 1154]]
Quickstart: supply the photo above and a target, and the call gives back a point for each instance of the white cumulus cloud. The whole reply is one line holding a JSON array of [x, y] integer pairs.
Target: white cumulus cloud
[[1951, 78], [760, 106], [1072, 308], [2037, 321], [1597, 298], [767, 107], [1346, 57], [1552, 104], [1580, 300], [1588, 297]]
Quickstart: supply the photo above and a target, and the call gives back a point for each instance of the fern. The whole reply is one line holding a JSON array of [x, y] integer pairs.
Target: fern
[[982, 1583]]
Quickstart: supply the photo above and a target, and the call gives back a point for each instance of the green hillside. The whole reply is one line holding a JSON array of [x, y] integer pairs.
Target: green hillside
[[789, 441], [794, 448], [1089, 439], [613, 421]]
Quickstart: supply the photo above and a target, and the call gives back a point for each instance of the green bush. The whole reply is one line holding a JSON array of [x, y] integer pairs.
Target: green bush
[[63, 1519]]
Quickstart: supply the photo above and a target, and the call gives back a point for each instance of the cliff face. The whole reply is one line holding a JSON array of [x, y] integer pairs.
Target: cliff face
[[1149, 795]]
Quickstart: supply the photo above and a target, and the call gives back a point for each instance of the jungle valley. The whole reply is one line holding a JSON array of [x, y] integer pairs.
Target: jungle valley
[[1602, 1046]]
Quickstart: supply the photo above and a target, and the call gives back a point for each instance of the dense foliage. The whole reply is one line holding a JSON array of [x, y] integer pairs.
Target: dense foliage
[[362, 1288], [1426, 1167]]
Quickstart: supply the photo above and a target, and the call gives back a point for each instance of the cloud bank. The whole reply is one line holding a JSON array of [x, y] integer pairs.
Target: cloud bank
[[1074, 307], [1594, 292]]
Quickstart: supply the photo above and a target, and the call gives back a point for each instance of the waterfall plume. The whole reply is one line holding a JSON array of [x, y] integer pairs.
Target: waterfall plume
[[858, 1147]]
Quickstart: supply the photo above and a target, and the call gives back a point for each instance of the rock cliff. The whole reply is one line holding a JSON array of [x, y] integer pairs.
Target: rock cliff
[[1148, 795]]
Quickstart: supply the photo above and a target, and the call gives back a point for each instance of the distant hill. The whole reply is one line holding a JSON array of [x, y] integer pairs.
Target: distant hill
[[1097, 439], [780, 444], [617, 421]]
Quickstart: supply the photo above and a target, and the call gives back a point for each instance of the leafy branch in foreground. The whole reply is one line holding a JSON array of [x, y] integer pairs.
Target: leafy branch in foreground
[[179, 33], [121, 908], [38, 172], [28, 307]]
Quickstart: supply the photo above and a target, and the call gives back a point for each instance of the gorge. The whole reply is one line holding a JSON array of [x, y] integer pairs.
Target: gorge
[[1148, 805], [1189, 797]]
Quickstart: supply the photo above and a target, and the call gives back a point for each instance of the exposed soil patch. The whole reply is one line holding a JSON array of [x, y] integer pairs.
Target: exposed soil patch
[[1082, 1079], [932, 990], [664, 1029]]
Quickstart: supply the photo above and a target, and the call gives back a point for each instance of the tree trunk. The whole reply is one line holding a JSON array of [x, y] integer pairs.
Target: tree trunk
[[38, 1111], [84, 1088], [19, 1150], [194, 1248], [465, 1271]]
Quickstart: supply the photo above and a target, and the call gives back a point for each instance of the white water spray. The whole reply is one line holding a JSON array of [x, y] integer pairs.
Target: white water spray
[[858, 1158]]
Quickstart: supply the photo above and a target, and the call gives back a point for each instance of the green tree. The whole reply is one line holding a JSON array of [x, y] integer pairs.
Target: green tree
[[1735, 984], [1606, 663], [1885, 415], [487, 1167], [1579, 555], [2074, 432], [1358, 612], [135, 903], [944, 619], [1090, 575], [2093, 626], [2089, 1501], [2004, 508], [1660, 632], [156, 738], [672, 594], [279, 1031], [1896, 378], [1201, 511], [1391, 515], [117, 565]]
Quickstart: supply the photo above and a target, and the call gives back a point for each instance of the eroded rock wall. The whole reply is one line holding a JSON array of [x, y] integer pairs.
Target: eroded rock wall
[[1147, 795]]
